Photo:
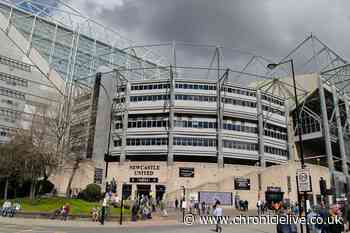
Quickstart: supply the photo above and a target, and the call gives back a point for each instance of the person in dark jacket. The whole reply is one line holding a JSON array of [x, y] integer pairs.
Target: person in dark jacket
[[286, 227], [335, 223]]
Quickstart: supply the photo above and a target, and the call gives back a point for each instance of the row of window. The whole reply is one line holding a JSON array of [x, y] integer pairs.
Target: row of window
[[276, 134], [235, 90], [273, 110], [195, 86], [146, 141], [148, 98], [271, 131], [203, 142], [240, 145], [12, 93], [239, 91], [15, 63], [13, 114], [13, 80], [150, 86], [145, 124], [5, 132], [272, 100], [239, 127], [189, 141], [276, 151], [9, 102], [195, 124], [121, 89], [243, 103], [275, 131], [200, 98]]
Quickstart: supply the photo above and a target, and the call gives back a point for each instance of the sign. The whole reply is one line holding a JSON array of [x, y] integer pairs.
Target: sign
[[304, 180], [242, 183], [98, 175], [210, 198], [144, 170], [143, 180], [186, 172], [273, 189]]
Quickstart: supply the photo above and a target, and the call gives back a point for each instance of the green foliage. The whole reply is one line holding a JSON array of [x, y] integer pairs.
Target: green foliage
[[49, 205], [91, 193]]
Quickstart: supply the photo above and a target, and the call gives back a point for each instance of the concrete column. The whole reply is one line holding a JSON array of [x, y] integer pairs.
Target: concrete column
[[260, 129], [347, 108], [340, 131], [125, 123], [171, 118], [219, 121], [290, 133], [133, 191], [326, 132]]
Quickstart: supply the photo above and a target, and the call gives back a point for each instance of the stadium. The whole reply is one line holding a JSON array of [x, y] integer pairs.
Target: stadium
[[160, 123]]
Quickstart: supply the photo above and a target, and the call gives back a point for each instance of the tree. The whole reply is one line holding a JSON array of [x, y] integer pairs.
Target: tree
[[36, 147], [11, 164]]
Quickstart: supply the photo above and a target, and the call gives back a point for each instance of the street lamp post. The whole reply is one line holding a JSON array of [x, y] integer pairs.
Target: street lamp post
[[298, 122], [122, 205], [183, 203]]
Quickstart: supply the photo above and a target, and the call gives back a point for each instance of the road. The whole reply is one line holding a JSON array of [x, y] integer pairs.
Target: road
[[40, 226]]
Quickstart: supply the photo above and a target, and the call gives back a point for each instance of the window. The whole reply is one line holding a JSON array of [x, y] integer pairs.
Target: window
[[15, 63], [240, 145], [147, 141], [192, 141]]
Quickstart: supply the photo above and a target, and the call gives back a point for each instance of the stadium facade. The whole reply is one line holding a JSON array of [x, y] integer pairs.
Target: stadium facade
[[165, 132]]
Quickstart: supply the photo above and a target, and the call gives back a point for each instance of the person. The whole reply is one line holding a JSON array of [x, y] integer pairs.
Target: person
[[163, 211], [259, 207], [217, 213], [113, 186], [134, 211], [347, 209], [176, 203], [203, 207], [333, 223], [103, 210], [65, 211], [285, 227], [245, 205]]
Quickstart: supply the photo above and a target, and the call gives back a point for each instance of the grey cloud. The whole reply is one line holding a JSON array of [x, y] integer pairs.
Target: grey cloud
[[267, 27]]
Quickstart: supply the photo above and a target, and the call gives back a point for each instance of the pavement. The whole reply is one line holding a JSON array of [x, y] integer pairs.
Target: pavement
[[158, 224], [19, 225]]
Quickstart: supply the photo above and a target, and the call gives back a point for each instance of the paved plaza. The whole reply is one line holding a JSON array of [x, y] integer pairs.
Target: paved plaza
[[19, 225]]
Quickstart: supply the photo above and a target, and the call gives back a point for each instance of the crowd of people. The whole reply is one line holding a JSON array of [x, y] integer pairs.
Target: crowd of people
[[335, 218], [9, 209]]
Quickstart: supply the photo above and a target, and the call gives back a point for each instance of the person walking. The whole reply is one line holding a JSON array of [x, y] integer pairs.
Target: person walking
[[176, 203], [259, 207], [217, 213], [103, 210]]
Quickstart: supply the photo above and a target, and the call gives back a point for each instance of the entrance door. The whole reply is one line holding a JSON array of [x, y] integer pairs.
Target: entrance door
[[144, 190]]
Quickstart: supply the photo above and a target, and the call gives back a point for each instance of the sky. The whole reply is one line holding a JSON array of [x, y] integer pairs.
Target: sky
[[266, 27]]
